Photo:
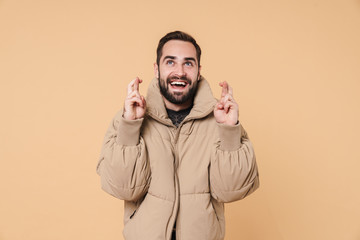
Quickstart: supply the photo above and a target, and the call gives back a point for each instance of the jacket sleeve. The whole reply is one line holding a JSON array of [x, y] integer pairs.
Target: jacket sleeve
[[233, 168], [123, 165]]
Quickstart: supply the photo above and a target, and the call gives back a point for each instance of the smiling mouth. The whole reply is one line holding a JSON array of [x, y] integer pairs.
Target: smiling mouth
[[179, 84]]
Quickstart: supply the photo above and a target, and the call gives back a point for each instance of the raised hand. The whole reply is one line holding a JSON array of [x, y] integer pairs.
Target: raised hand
[[135, 105], [226, 110]]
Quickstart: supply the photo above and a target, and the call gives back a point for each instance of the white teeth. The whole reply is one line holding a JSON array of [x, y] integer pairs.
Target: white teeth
[[178, 83]]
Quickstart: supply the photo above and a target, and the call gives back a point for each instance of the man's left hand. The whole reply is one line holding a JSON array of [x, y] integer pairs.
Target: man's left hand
[[226, 110]]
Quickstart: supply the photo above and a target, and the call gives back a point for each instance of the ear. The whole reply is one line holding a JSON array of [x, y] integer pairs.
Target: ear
[[199, 75], [156, 70]]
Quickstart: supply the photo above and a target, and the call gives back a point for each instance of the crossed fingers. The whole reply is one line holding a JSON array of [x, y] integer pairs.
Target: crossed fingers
[[226, 89], [134, 85], [227, 99], [133, 94]]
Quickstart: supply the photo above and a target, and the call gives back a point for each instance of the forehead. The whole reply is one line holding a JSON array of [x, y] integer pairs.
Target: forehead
[[179, 49]]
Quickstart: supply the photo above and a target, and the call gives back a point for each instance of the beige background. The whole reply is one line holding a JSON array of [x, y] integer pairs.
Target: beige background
[[295, 69]]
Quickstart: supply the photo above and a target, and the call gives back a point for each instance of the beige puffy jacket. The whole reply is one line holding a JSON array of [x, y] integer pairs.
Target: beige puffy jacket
[[184, 174]]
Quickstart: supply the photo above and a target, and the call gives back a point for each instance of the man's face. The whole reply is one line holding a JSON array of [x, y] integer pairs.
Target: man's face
[[178, 71]]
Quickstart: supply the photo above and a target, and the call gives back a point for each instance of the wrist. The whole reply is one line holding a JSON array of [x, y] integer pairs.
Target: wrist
[[128, 116]]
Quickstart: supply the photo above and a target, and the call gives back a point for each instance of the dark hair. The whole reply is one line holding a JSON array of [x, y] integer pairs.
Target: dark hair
[[177, 35]]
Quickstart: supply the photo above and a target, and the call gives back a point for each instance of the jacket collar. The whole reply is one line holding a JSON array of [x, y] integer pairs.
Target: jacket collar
[[203, 105]]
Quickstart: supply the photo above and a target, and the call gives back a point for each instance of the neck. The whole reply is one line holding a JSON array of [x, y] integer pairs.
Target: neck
[[177, 107]]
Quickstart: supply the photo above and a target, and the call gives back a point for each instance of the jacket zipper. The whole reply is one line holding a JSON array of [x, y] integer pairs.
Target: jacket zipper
[[176, 163], [176, 183]]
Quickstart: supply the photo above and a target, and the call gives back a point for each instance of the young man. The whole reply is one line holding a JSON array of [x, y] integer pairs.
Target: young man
[[178, 156]]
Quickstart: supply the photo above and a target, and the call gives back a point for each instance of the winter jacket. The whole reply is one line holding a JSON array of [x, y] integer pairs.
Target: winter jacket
[[184, 174]]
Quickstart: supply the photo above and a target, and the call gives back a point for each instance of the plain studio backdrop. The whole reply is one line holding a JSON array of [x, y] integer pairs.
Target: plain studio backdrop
[[295, 70]]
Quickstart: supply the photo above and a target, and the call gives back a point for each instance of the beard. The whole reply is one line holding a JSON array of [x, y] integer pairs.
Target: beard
[[177, 98]]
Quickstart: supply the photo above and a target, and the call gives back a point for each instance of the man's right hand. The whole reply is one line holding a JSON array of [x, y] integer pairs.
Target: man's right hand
[[135, 105]]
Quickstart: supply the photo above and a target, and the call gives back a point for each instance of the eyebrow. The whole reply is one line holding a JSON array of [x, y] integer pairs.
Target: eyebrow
[[190, 59], [168, 57], [173, 57]]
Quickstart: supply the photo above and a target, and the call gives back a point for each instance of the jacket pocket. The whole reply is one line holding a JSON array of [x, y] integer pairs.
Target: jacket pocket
[[149, 220], [199, 219]]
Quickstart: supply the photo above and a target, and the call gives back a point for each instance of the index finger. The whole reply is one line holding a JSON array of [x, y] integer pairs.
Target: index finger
[[134, 85], [130, 86], [225, 88]]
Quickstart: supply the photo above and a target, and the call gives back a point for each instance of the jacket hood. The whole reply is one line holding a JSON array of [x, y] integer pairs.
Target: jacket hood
[[203, 103]]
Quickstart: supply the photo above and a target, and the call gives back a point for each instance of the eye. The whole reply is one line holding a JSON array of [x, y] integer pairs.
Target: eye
[[189, 64], [170, 62]]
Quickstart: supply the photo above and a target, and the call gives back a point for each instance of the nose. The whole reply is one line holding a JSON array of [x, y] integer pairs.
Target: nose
[[179, 71]]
